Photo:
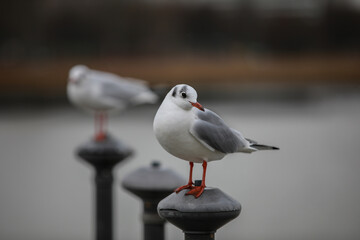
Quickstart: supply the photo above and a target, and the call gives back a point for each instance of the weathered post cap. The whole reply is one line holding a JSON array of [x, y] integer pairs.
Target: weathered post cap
[[104, 153], [152, 182], [209, 212]]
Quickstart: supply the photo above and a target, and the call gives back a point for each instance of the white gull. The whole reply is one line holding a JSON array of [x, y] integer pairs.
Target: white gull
[[101, 92], [188, 131]]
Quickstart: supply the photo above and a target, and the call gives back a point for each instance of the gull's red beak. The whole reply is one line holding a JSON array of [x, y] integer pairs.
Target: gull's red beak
[[198, 105]]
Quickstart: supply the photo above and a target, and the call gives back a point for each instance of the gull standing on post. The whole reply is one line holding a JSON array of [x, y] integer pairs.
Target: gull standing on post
[[101, 92], [188, 131]]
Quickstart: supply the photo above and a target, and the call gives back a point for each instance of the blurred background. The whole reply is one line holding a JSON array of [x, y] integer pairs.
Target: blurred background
[[283, 72]]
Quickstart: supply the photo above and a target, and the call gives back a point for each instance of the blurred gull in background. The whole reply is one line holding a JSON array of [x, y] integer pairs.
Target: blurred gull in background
[[101, 92]]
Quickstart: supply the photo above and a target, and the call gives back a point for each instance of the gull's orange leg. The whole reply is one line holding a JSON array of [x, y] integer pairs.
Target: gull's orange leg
[[100, 121], [190, 183], [198, 190]]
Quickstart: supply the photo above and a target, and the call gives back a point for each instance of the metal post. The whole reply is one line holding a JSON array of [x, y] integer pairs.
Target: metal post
[[199, 218], [103, 156], [152, 184], [153, 224], [104, 217]]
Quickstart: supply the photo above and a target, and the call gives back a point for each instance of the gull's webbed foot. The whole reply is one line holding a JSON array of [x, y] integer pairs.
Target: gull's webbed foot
[[196, 191], [187, 186]]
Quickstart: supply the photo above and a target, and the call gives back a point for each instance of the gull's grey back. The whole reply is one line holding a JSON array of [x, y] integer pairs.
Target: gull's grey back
[[211, 129], [120, 88]]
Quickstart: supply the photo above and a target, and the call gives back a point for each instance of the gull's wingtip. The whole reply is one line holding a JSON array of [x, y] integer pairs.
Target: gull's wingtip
[[263, 147]]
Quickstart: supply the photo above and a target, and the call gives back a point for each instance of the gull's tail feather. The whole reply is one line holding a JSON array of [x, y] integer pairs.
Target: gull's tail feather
[[257, 146], [263, 147]]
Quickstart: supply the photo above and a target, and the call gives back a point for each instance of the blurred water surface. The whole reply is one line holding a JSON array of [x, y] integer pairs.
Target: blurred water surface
[[307, 190]]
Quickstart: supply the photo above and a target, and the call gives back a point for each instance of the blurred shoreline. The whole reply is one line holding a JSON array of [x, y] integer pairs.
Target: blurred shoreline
[[47, 79]]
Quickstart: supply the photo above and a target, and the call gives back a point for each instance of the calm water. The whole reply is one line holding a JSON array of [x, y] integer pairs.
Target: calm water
[[307, 190]]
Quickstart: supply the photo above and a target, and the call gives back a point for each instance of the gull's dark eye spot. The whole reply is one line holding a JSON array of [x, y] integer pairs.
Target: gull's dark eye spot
[[174, 92], [183, 95]]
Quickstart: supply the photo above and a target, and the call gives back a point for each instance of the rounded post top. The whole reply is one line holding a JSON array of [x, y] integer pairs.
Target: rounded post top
[[154, 181], [106, 153], [210, 211], [212, 200]]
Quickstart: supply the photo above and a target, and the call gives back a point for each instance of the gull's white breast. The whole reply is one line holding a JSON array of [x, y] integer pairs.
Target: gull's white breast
[[88, 95], [172, 129]]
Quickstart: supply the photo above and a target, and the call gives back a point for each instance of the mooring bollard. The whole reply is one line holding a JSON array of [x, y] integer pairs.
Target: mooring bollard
[[152, 184], [103, 156], [199, 218]]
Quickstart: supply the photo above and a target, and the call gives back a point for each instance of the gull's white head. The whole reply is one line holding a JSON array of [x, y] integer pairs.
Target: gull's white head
[[77, 73], [184, 96]]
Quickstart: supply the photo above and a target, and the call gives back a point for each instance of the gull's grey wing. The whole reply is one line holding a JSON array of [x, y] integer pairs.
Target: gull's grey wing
[[113, 77], [124, 89], [120, 91], [213, 133]]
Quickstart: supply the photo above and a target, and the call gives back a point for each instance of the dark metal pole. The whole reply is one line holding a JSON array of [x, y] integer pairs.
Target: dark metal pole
[[152, 184], [104, 217], [153, 224], [199, 218], [103, 156]]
